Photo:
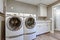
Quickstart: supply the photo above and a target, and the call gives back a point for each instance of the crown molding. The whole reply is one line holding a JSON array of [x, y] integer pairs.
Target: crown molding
[[54, 3]]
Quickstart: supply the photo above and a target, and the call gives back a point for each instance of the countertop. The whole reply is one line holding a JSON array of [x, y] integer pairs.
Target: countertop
[[43, 20]]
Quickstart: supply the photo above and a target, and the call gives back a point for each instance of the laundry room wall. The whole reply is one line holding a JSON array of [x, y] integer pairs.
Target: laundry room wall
[[49, 13], [19, 7]]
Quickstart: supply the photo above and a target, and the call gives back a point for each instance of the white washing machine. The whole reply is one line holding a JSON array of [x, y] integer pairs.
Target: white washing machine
[[29, 27], [13, 26]]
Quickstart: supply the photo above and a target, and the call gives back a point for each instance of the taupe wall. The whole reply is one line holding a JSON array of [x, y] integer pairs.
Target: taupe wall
[[1, 6], [21, 7], [49, 12]]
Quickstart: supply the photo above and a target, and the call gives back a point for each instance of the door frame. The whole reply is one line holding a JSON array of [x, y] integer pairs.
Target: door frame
[[53, 11]]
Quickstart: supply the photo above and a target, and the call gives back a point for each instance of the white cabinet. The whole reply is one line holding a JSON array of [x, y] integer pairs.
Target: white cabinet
[[42, 27], [1, 6], [42, 9]]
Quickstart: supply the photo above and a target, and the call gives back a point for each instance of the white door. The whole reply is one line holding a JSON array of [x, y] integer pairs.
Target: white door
[[58, 19]]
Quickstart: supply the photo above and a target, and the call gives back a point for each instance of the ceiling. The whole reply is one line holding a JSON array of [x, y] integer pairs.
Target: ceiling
[[36, 2]]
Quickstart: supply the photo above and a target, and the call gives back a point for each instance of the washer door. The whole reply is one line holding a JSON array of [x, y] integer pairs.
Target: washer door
[[30, 22], [14, 23]]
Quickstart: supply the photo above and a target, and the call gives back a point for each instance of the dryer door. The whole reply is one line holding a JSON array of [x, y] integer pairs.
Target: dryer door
[[30, 22], [14, 23]]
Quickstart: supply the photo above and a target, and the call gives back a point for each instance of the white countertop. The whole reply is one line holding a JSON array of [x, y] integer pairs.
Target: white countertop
[[43, 20]]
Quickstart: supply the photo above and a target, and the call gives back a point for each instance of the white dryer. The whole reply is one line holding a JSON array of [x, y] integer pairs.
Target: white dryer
[[13, 26], [29, 27]]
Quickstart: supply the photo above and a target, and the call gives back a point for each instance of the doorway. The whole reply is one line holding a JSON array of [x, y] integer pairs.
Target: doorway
[[56, 17]]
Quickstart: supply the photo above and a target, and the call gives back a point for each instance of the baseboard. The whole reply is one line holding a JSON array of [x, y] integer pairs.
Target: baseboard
[[42, 34], [34, 39], [57, 29]]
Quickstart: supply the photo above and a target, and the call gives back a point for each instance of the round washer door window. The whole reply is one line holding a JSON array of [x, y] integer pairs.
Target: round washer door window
[[14, 23], [30, 23]]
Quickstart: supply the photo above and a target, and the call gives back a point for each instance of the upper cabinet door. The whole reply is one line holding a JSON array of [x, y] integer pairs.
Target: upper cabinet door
[[1, 6], [42, 9]]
